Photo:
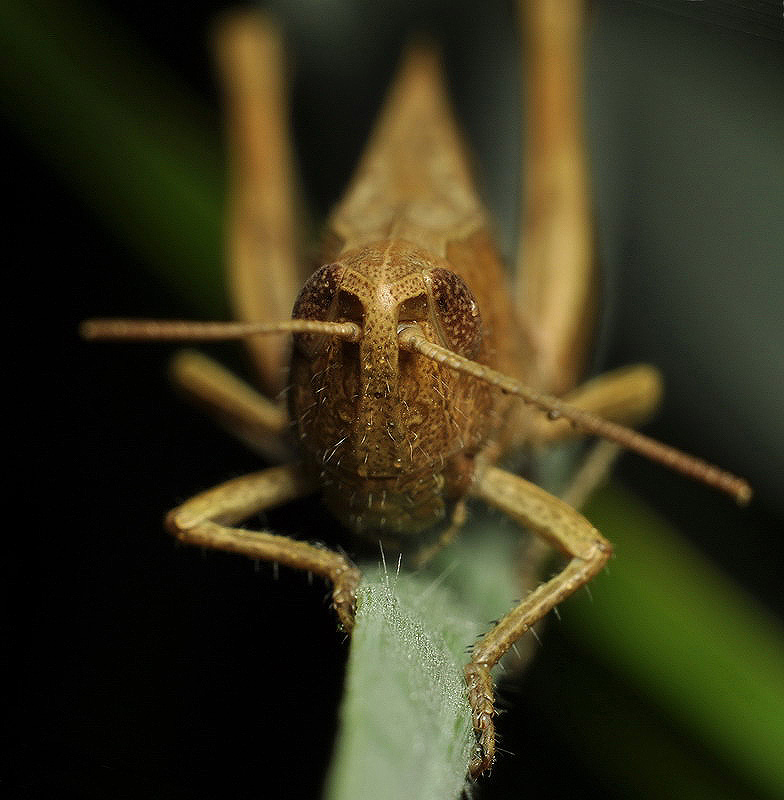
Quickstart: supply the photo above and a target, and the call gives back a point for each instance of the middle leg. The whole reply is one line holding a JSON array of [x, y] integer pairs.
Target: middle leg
[[250, 416], [629, 396]]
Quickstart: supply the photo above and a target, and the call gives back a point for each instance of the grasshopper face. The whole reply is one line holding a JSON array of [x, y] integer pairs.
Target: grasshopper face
[[392, 434]]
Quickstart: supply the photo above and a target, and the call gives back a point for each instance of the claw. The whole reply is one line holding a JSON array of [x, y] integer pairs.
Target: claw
[[480, 698], [481, 761], [344, 596]]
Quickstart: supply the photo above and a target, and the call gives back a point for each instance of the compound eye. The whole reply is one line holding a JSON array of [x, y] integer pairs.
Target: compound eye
[[456, 311], [316, 300]]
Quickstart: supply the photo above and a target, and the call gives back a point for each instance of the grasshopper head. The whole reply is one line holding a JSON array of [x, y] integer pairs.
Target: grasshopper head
[[379, 422]]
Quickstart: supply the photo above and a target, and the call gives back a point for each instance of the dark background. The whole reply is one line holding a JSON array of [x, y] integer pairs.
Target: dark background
[[147, 669]]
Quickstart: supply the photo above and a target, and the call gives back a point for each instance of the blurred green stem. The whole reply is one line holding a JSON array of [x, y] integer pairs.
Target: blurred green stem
[[130, 143], [689, 637]]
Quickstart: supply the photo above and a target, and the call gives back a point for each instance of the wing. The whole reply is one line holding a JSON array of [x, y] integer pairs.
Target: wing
[[414, 183]]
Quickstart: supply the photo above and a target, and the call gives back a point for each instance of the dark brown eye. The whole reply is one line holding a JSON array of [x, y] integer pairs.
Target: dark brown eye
[[316, 300], [456, 311]]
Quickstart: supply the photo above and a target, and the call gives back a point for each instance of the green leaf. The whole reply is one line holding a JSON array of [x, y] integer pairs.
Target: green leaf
[[663, 617], [405, 722]]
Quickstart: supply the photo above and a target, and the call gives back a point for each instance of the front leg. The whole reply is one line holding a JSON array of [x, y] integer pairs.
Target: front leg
[[207, 520], [565, 529]]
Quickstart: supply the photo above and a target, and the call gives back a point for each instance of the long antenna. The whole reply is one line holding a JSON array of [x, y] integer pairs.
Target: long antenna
[[411, 338], [176, 330]]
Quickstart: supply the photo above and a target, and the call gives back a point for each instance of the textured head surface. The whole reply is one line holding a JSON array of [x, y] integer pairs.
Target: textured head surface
[[391, 432]]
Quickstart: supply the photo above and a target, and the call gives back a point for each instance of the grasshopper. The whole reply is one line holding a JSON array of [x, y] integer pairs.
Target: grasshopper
[[416, 368]]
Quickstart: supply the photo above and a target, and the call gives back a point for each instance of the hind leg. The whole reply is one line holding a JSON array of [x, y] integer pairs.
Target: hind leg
[[264, 266], [555, 277]]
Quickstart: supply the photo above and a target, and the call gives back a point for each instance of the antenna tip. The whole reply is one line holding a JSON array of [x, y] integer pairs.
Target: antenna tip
[[88, 329], [744, 493]]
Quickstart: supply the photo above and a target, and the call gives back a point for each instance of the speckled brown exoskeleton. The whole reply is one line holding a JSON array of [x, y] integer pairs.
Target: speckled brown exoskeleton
[[417, 361]]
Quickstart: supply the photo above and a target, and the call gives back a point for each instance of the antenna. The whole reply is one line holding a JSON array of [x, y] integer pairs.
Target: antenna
[[411, 338], [181, 330]]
